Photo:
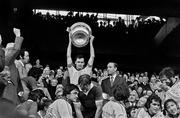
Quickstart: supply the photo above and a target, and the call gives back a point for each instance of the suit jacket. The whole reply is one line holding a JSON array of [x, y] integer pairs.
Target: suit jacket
[[11, 90], [108, 89]]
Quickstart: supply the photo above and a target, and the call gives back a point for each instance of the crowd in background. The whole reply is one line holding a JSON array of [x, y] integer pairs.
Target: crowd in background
[[38, 91], [141, 86]]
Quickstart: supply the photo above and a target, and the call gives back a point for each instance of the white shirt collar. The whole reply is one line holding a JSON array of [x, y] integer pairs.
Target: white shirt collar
[[114, 76]]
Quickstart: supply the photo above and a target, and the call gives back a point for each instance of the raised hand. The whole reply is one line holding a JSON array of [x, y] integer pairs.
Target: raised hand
[[91, 38], [17, 32]]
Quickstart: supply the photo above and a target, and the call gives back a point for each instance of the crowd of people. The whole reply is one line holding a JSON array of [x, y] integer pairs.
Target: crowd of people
[[80, 91]]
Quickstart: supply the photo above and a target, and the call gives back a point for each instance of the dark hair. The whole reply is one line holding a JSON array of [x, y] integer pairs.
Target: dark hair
[[36, 94], [151, 98], [45, 103], [79, 57], [129, 109], [84, 79], [121, 93], [69, 88], [167, 71], [167, 101], [115, 64], [21, 53]]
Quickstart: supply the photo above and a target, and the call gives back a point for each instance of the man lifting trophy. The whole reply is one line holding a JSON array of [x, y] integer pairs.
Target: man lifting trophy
[[80, 35]]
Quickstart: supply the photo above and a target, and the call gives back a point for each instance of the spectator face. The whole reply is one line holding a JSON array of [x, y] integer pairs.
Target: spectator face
[[105, 73], [79, 63], [172, 108], [37, 62], [54, 82], [135, 83], [132, 78], [153, 79], [26, 57], [165, 80], [46, 71], [154, 107], [59, 90], [149, 92], [132, 97], [141, 102], [59, 72], [145, 79], [73, 95], [139, 90], [140, 79], [111, 69]]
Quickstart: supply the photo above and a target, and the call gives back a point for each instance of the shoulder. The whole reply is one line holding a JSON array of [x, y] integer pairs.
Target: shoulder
[[105, 80], [142, 112], [60, 103]]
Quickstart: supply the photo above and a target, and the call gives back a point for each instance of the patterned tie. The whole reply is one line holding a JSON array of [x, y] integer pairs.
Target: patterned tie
[[111, 80]]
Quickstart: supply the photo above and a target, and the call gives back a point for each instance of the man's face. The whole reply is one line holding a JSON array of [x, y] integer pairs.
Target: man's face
[[37, 61], [26, 57], [79, 63], [85, 88], [165, 80], [154, 107], [172, 108], [141, 102], [132, 97], [111, 69], [54, 82], [73, 95]]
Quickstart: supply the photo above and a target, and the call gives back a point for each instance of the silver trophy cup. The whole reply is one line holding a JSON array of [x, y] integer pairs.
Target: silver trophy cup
[[80, 34]]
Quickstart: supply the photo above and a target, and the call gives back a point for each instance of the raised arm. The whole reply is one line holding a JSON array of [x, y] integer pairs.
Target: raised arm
[[69, 59], [92, 53], [12, 52]]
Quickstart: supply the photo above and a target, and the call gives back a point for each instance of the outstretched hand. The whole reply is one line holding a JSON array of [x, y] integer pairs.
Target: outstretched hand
[[17, 32]]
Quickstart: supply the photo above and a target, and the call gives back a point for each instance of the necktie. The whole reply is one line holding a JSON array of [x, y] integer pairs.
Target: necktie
[[111, 80]]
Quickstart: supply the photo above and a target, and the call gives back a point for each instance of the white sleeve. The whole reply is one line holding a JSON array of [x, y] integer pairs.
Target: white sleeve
[[64, 109]]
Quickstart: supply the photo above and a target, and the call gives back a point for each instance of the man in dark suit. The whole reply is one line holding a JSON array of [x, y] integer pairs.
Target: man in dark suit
[[109, 84], [14, 86]]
